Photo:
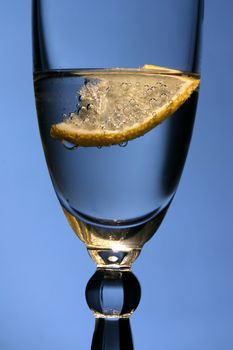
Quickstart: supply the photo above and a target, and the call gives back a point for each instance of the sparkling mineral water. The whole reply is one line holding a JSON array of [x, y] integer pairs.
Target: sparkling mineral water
[[117, 189]]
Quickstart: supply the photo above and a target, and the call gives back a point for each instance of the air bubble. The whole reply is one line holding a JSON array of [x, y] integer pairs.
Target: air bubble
[[113, 258], [69, 145], [90, 106], [123, 144], [82, 112], [153, 102], [132, 101], [124, 86], [163, 97], [149, 91]]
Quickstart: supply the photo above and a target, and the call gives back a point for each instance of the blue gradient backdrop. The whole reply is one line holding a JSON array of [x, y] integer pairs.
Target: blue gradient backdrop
[[185, 271]]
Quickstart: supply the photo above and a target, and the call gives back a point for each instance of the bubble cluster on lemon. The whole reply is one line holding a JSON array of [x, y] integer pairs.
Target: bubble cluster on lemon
[[124, 104]]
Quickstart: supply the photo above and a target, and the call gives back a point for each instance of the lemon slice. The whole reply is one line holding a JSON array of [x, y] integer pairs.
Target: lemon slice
[[117, 106]]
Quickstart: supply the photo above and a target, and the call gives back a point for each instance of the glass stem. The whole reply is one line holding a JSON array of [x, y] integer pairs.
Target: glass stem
[[112, 334]]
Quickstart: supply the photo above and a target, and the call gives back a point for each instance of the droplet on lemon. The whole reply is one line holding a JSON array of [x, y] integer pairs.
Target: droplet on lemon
[[115, 108]]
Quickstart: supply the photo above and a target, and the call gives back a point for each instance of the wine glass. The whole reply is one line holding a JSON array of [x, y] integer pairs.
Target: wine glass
[[112, 64]]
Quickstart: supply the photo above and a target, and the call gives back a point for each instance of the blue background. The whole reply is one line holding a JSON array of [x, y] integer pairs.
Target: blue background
[[185, 271]]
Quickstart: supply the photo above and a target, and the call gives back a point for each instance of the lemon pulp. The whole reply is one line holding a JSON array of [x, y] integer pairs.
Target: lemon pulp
[[118, 105]]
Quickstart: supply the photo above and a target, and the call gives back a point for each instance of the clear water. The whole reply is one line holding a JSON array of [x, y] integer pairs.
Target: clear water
[[115, 185]]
